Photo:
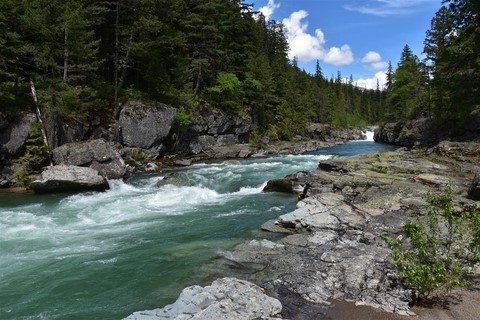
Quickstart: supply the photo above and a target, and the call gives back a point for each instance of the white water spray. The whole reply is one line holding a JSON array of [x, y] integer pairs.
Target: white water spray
[[369, 135]]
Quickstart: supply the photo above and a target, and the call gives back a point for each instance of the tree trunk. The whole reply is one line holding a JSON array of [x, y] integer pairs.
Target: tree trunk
[[39, 117], [65, 56]]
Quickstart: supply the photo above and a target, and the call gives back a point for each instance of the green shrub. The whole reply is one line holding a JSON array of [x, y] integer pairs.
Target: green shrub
[[255, 138], [182, 117], [137, 158], [437, 250], [37, 154], [22, 177]]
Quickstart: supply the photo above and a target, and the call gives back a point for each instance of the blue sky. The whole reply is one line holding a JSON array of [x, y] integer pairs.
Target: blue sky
[[355, 37]]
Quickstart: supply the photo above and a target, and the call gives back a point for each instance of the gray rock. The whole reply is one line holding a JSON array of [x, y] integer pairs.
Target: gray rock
[[174, 178], [183, 162], [202, 143], [96, 154], [145, 125], [101, 133], [14, 135], [474, 190], [3, 121], [227, 140], [225, 298], [63, 178], [62, 132], [324, 211], [151, 167]]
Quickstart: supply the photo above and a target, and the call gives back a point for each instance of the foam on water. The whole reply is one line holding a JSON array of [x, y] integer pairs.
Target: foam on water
[[66, 256]]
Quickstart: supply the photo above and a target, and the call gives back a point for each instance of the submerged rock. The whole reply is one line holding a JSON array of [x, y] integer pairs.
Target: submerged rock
[[224, 299], [63, 178]]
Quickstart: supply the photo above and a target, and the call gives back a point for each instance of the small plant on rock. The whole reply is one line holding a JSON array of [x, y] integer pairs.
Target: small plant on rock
[[436, 251], [182, 117], [37, 153]]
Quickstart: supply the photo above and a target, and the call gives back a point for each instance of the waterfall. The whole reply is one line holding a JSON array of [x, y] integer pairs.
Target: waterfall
[[369, 135]]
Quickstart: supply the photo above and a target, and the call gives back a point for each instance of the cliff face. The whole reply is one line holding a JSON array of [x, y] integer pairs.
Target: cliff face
[[426, 132]]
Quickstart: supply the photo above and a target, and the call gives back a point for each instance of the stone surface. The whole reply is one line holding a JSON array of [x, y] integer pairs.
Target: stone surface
[[332, 248], [96, 154], [64, 178], [224, 299], [474, 189], [13, 136], [145, 125]]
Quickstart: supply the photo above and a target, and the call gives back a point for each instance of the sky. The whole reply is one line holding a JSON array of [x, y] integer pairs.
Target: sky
[[355, 37]]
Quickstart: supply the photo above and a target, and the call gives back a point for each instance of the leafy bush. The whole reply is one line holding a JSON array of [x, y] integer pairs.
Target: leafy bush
[[137, 158], [437, 250], [22, 177], [182, 117]]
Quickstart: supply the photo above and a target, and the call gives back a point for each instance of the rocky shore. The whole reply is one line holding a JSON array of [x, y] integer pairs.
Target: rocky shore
[[331, 248], [148, 137]]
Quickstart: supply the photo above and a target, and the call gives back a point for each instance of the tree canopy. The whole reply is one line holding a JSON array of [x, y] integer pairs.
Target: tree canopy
[[87, 57]]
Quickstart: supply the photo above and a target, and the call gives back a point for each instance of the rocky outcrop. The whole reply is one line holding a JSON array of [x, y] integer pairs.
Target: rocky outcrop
[[146, 125], [96, 154], [426, 132], [408, 133], [13, 135], [63, 178], [332, 247], [325, 132], [225, 298], [210, 128]]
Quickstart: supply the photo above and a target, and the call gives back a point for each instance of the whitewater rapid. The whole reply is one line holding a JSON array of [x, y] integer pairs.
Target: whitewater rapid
[[103, 255]]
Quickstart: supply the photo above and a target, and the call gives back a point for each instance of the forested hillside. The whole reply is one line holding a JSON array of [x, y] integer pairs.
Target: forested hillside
[[445, 87], [86, 57]]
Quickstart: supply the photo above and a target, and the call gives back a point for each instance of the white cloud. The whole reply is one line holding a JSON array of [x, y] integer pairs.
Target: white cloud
[[374, 61], [385, 8], [307, 47], [303, 45], [371, 56], [371, 83], [269, 9], [339, 56], [380, 65]]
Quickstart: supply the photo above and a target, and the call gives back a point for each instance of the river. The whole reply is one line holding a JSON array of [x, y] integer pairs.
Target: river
[[104, 255]]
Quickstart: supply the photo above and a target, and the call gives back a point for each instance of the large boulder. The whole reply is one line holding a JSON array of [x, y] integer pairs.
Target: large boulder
[[14, 134], [224, 299], [63, 178], [145, 125], [96, 154], [60, 132], [210, 128]]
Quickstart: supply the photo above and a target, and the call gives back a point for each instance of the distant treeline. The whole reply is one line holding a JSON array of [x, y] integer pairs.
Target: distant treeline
[[87, 56]]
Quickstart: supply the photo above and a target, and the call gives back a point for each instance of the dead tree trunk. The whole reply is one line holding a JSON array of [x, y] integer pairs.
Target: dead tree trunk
[[39, 117]]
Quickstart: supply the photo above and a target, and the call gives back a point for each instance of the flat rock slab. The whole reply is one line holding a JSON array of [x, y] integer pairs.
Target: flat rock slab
[[62, 178], [224, 299]]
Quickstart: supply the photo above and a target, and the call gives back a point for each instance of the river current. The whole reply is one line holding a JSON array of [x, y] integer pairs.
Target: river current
[[104, 255]]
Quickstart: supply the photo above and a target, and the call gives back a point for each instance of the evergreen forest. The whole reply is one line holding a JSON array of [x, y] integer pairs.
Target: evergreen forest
[[86, 57]]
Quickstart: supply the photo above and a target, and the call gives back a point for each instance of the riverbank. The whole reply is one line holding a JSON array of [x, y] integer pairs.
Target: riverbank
[[332, 247]]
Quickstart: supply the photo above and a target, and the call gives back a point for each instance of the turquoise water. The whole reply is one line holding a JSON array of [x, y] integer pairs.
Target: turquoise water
[[104, 255]]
